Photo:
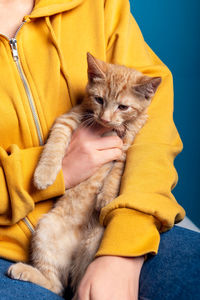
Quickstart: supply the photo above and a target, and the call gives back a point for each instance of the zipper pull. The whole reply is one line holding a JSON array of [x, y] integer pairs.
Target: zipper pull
[[13, 44]]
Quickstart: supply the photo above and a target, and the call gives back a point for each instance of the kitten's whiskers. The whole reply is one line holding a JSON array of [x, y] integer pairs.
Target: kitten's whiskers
[[88, 120]]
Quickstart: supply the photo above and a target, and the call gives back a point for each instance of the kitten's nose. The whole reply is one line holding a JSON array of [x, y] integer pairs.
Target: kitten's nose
[[105, 120]]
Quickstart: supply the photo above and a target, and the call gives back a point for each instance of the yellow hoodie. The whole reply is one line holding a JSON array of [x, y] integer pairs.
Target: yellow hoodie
[[43, 73]]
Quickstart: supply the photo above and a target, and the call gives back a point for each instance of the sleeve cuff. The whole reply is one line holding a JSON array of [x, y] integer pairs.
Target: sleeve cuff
[[129, 233], [19, 194]]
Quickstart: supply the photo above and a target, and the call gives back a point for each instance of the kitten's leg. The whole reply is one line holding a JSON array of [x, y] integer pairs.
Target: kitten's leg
[[53, 245], [58, 234], [50, 162], [111, 186], [80, 200], [86, 252], [25, 272], [110, 189]]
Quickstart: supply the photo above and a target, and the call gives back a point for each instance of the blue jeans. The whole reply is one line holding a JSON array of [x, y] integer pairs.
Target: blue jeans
[[174, 273]]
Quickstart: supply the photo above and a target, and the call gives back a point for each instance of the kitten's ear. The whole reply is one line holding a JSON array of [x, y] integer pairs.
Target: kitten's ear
[[96, 68], [147, 87]]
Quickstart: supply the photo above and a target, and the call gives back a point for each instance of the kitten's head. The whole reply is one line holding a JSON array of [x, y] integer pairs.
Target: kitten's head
[[116, 94]]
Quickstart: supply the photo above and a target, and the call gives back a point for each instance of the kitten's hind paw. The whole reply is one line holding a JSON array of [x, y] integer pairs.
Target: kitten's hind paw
[[20, 271], [26, 272]]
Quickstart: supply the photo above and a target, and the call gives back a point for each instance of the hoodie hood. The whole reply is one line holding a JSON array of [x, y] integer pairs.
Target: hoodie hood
[[47, 8], [44, 8]]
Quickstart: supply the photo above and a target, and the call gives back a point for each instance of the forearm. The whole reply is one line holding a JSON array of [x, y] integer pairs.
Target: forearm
[[146, 205]]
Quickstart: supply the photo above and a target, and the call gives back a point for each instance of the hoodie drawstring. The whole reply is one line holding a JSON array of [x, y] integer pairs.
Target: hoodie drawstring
[[55, 43]]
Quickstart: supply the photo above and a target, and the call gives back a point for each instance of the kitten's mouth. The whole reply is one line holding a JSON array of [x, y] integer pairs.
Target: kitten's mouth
[[104, 124], [119, 129], [89, 120]]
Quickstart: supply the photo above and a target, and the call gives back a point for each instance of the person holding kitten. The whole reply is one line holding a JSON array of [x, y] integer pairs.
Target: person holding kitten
[[43, 46]]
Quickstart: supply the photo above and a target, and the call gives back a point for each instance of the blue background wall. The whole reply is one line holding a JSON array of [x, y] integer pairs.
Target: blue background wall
[[172, 30]]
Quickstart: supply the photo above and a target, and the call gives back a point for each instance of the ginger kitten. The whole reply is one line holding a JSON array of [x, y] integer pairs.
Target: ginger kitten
[[66, 239]]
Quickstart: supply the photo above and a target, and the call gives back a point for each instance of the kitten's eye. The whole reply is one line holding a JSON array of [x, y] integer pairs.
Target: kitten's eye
[[123, 107], [99, 100]]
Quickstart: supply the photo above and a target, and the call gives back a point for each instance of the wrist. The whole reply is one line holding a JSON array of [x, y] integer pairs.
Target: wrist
[[136, 262], [133, 262]]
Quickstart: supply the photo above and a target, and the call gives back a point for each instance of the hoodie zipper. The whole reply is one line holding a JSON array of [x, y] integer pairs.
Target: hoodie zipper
[[15, 54], [28, 224]]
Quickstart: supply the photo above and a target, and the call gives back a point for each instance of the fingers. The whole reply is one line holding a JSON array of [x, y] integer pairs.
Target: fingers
[[100, 149], [109, 155], [108, 142], [95, 131], [85, 135]]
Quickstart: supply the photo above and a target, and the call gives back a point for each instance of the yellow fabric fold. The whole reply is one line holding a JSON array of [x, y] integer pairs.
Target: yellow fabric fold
[[18, 195]]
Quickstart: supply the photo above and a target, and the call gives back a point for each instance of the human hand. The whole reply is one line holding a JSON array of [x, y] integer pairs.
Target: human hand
[[111, 277], [87, 152]]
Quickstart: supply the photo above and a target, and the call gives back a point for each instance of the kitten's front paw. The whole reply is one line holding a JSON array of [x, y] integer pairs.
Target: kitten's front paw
[[19, 271], [44, 177]]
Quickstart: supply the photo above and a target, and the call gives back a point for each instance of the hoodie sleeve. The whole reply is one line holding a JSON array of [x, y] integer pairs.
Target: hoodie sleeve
[[18, 195], [145, 206]]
